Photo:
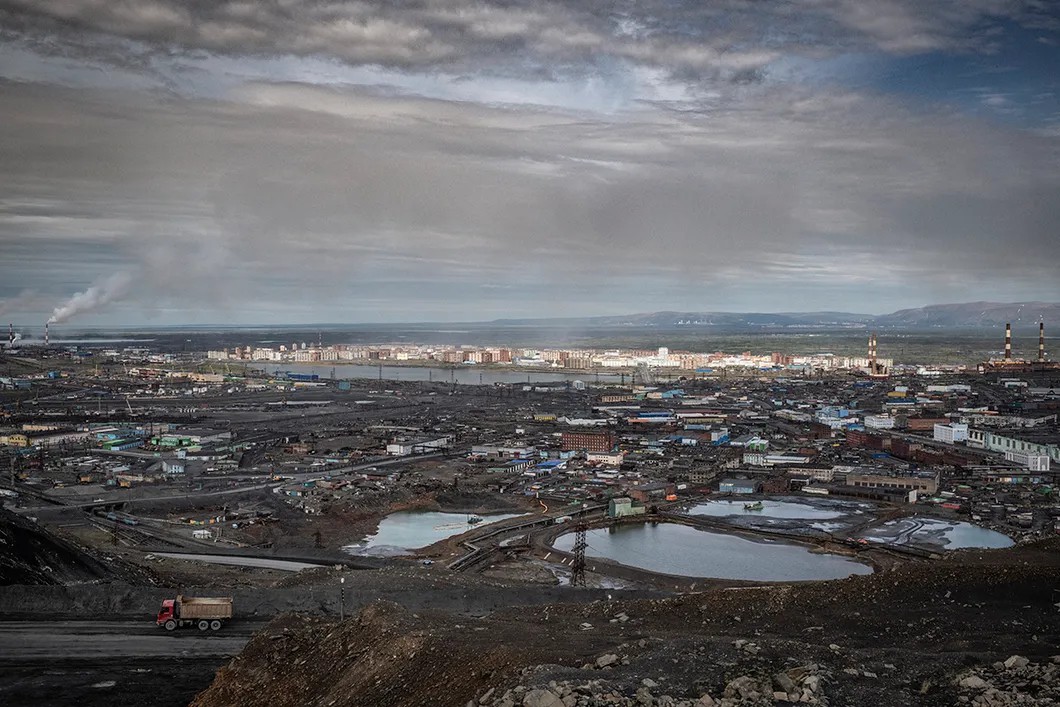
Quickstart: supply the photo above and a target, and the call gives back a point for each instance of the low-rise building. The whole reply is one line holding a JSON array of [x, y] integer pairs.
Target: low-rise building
[[419, 445], [950, 432], [921, 483], [997, 442], [624, 506], [738, 486]]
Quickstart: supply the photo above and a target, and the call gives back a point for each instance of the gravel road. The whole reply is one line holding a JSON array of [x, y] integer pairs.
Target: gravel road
[[88, 663]]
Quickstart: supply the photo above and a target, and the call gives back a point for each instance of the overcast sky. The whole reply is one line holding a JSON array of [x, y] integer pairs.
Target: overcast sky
[[290, 161]]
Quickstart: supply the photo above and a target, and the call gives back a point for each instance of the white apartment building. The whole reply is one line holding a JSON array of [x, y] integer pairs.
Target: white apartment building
[[1032, 462], [879, 422], [985, 439], [951, 432]]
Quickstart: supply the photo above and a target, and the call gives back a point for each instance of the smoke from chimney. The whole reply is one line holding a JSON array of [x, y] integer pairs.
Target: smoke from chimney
[[99, 294]]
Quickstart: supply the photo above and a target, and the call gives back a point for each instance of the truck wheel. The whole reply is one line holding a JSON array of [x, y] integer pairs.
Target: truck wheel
[[203, 625], [215, 625], [170, 625]]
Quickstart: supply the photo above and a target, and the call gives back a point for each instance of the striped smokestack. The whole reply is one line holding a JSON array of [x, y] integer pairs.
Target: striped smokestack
[[10, 334], [1041, 342], [46, 334], [1008, 341]]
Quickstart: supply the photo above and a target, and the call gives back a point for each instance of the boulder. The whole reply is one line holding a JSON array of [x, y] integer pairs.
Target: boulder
[[541, 698], [606, 660], [974, 682]]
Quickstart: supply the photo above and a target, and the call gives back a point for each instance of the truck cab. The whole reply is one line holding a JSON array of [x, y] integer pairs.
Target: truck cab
[[168, 612]]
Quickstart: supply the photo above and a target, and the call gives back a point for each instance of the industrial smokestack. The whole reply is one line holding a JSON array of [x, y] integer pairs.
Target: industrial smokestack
[[46, 334], [1008, 341], [1041, 342], [10, 334]]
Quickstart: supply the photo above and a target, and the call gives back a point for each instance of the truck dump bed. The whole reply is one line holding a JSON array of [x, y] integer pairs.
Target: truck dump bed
[[205, 607]]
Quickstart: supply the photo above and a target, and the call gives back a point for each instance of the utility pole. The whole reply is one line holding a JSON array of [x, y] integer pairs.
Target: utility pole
[[577, 567], [342, 599]]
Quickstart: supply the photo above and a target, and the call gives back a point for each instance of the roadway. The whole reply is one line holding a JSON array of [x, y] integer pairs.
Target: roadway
[[105, 663], [260, 562], [25, 641], [112, 498]]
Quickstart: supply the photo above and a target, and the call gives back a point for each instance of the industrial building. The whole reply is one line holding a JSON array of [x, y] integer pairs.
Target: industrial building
[[588, 441]]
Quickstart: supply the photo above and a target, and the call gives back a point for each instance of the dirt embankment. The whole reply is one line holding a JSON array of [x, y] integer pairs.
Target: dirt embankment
[[32, 555], [343, 524], [313, 592], [900, 637]]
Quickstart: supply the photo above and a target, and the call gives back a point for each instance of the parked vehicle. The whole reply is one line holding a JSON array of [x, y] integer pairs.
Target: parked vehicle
[[204, 613]]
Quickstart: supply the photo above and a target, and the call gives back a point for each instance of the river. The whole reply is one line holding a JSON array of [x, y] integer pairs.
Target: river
[[462, 375]]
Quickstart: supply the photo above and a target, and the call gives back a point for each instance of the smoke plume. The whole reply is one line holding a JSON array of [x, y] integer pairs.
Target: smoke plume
[[102, 292], [26, 299]]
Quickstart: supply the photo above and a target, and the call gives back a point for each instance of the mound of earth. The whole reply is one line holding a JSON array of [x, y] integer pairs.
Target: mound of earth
[[31, 555], [908, 636]]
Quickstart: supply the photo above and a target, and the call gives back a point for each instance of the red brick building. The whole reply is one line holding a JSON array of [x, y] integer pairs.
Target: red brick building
[[588, 441]]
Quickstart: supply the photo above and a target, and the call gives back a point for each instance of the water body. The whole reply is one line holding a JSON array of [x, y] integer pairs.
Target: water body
[[681, 550], [462, 375], [404, 531], [937, 533], [770, 509]]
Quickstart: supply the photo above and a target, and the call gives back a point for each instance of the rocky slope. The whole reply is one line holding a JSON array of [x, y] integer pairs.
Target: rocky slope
[[31, 555], [912, 636]]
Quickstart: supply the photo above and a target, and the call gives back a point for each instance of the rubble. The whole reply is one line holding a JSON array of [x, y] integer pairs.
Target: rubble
[[1017, 681]]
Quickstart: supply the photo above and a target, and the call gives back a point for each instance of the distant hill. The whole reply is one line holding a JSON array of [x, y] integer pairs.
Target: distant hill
[[967, 315], [973, 314]]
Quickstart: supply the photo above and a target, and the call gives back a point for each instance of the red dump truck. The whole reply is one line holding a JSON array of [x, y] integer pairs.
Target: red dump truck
[[204, 613]]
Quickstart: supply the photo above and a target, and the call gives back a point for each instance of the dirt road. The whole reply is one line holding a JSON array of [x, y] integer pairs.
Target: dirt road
[[89, 663], [263, 562]]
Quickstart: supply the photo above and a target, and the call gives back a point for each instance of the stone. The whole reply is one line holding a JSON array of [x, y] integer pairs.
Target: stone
[[1016, 661], [812, 683], [780, 696], [649, 683], [606, 660], [974, 682], [706, 701], [541, 698], [784, 682], [744, 687], [644, 697], [486, 695]]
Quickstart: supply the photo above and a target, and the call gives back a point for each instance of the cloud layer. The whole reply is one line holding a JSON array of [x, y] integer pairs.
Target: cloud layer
[[282, 161]]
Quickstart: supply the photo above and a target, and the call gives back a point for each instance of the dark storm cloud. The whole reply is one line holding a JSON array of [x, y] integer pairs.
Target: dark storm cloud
[[343, 195], [730, 38]]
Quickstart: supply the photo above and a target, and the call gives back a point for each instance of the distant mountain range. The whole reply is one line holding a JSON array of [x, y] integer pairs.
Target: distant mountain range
[[966, 315]]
